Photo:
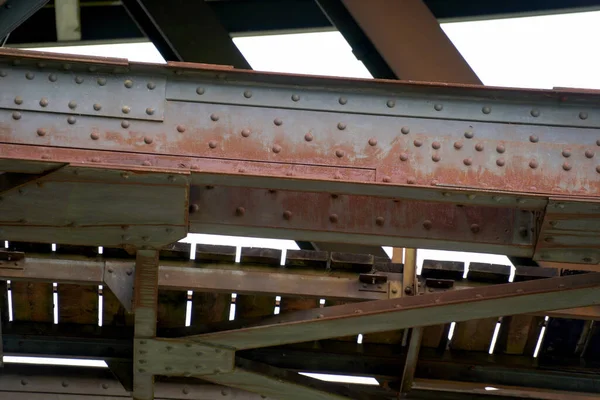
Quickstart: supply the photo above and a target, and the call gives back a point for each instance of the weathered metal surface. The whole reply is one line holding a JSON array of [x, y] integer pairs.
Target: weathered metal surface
[[410, 284], [398, 32], [369, 219], [145, 308], [570, 232], [171, 357], [41, 382], [406, 312], [281, 384], [119, 278]]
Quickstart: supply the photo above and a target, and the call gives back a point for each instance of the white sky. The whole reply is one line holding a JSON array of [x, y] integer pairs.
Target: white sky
[[534, 52]]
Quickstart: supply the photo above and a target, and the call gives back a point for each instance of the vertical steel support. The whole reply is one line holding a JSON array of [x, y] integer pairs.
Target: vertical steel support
[[68, 20], [409, 280], [145, 308]]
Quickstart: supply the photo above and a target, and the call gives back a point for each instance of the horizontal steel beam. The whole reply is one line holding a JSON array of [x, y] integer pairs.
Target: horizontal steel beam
[[407, 312], [463, 156], [200, 277]]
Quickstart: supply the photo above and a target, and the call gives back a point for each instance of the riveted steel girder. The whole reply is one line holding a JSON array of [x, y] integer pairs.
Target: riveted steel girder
[[357, 161]]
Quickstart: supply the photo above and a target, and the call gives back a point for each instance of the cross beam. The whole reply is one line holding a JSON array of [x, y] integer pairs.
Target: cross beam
[[353, 161], [407, 312]]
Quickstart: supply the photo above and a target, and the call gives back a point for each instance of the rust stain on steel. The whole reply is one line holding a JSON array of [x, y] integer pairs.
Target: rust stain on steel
[[355, 214]]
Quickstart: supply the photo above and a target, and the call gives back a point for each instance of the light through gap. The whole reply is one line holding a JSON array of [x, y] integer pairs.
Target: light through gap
[[232, 307], [495, 337], [361, 380], [188, 309], [359, 338], [55, 301], [100, 304], [451, 330], [55, 361], [541, 338], [10, 307], [277, 304]]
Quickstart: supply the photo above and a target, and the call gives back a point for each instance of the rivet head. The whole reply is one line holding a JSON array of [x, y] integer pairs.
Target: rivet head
[[479, 147], [418, 143], [469, 134], [436, 158], [240, 211], [427, 224], [245, 132], [276, 148], [97, 107], [598, 142], [411, 181], [438, 107], [18, 100], [44, 102], [148, 139], [16, 115], [458, 145], [92, 68], [126, 109], [78, 80], [41, 132], [308, 137], [500, 148], [549, 239], [379, 221], [341, 126], [403, 157], [386, 179], [125, 124], [475, 228], [180, 128], [146, 163], [566, 166], [24, 382], [67, 67], [566, 153], [583, 115], [598, 169], [150, 111], [200, 91], [333, 218], [436, 145], [212, 144], [535, 113], [295, 97], [534, 139], [342, 100], [185, 391], [72, 105], [128, 83], [589, 154], [95, 159], [194, 208], [278, 121], [151, 85], [500, 162], [391, 103], [71, 120], [467, 161], [94, 136], [105, 386], [486, 110], [372, 142], [101, 81], [287, 215], [405, 130], [247, 94], [340, 153], [533, 164], [30, 75]]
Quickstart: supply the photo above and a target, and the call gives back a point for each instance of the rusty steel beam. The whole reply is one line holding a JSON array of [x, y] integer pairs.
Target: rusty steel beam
[[145, 309], [407, 312], [350, 161], [223, 277], [399, 40]]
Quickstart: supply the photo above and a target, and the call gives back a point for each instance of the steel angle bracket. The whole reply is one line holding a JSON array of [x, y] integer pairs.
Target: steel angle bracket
[[570, 232]]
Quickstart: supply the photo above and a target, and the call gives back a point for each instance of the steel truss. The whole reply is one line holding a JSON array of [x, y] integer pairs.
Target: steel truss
[[103, 152]]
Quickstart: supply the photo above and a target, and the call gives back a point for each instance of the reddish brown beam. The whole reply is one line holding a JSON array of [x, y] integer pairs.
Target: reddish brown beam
[[406, 312], [403, 36]]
